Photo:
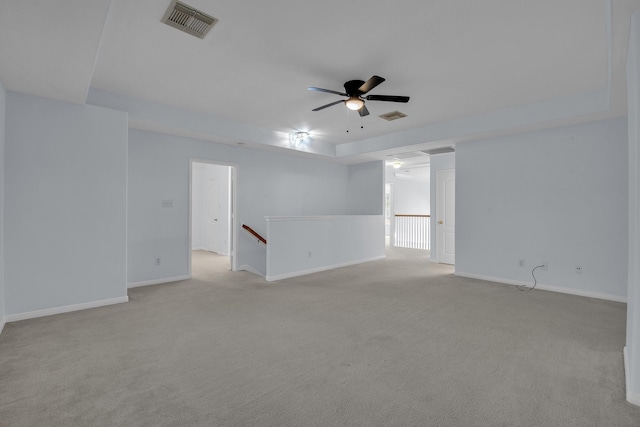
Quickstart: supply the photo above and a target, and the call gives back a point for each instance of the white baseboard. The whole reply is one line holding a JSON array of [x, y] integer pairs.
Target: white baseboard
[[3, 321], [633, 398], [542, 287], [250, 269], [319, 269], [157, 281], [64, 309]]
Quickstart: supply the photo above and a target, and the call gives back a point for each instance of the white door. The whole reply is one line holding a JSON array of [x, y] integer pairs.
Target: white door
[[445, 216], [214, 236]]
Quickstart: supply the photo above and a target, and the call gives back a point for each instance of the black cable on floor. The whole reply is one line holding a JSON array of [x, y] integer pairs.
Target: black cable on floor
[[525, 288]]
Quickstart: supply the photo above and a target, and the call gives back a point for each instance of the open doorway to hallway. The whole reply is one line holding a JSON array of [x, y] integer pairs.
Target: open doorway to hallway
[[407, 205], [212, 207]]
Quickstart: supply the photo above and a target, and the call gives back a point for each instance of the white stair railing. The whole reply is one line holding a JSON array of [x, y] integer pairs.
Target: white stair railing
[[412, 231]]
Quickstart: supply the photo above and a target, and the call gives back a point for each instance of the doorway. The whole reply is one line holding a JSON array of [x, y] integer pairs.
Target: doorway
[[407, 206], [212, 210]]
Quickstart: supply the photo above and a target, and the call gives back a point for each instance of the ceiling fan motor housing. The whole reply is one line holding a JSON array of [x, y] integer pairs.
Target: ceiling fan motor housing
[[352, 87]]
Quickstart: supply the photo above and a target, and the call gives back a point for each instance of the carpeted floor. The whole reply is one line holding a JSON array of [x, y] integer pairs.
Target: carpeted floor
[[395, 342]]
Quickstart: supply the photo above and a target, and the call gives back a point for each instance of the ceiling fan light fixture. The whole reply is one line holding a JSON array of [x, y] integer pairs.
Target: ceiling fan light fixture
[[354, 103]]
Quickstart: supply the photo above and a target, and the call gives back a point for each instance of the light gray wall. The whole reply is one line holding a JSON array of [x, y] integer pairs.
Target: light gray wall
[[411, 196], [439, 162], [269, 184], [65, 213], [3, 104], [365, 189], [298, 246], [633, 287], [557, 195]]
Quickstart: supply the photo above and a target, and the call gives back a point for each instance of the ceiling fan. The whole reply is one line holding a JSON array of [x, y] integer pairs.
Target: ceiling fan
[[355, 91]]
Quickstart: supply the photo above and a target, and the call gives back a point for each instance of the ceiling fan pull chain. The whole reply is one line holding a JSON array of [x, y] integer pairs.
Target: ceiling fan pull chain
[[348, 119]]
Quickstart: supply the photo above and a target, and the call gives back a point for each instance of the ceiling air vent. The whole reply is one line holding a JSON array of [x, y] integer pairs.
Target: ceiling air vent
[[188, 19], [394, 115], [407, 155], [439, 151]]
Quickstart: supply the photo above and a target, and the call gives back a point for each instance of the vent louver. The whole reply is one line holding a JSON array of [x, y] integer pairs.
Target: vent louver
[[407, 155], [439, 151], [188, 19], [394, 115]]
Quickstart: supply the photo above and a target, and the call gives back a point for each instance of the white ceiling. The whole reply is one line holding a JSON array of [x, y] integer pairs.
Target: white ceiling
[[459, 62]]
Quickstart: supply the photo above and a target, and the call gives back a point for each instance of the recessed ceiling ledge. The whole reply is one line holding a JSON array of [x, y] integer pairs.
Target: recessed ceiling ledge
[[545, 114], [179, 122]]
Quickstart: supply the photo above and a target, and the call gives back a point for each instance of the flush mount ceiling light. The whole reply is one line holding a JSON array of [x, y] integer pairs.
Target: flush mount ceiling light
[[296, 138], [397, 165], [354, 103]]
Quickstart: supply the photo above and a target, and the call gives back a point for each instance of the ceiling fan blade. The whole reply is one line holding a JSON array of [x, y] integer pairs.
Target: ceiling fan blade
[[363, 111], [370, 84], [319, 89], [390, 98], [328, 105]]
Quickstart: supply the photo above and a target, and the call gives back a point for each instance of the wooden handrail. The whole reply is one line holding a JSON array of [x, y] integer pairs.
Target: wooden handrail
[[417, 216], [253, 232]]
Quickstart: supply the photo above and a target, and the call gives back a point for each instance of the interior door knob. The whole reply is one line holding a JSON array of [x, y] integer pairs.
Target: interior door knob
[[441, 222]]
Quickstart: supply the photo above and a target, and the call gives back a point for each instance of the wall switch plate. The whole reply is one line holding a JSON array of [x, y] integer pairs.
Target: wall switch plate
[[545, 265], [521, 263]]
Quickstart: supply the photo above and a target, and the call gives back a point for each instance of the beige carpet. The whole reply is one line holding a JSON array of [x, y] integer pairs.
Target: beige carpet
[[395, 342]]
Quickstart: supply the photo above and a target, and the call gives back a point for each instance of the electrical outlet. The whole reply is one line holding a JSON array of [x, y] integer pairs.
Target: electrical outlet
[[309, 254], [167, 203], [521, 263], [545, 265], [578, 269], [158, 260]]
